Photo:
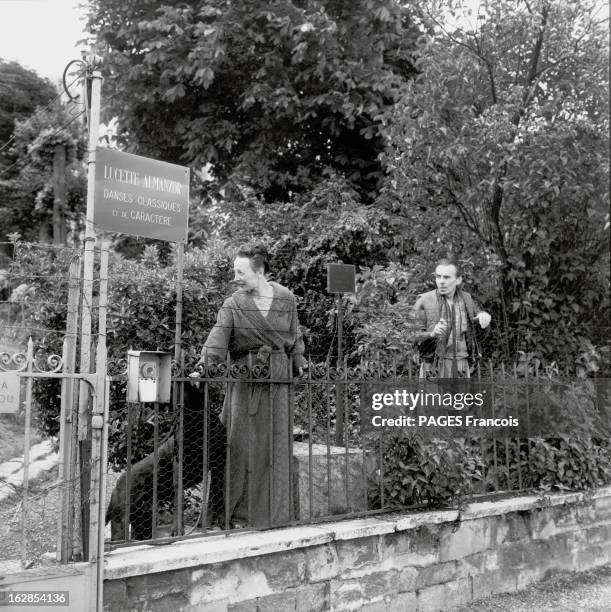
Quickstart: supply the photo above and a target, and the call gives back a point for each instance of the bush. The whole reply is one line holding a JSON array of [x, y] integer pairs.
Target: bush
[[142, 316], [431, 472]]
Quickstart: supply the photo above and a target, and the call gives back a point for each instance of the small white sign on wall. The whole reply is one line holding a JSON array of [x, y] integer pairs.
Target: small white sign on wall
[[9, 392]]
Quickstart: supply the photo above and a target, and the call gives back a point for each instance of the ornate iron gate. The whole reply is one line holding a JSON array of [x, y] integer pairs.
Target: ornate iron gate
[[76, 490]]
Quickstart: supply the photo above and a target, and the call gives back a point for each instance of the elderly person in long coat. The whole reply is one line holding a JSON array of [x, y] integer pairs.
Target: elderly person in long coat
[[258, 325]]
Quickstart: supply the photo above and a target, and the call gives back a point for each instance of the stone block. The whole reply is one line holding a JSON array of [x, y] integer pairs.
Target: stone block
[[249, 605], [379, 584], [403, 602], [415, 547], [322, 562], [602, 508], [470, 537], [330, 481], [432, 599], [497, 581], [605, 551], [120, 606], [115, 591], [480, 562], [518, 526], [565, 516], [246, 579], [375, 606], [458, 592], [438, 574], [285, 601], [559, 545], [543, 525], [597, 534], [345, 595], [355, 554], [589, 557], [282, 570], [396, 544], [536, 554], [154, 586], [313, 598], [213, 606], [406, 580], [512, 554], [585, 514], [576, 540]]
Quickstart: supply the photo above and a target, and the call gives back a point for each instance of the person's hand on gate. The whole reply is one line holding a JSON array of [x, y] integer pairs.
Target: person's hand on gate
[[194, 376]]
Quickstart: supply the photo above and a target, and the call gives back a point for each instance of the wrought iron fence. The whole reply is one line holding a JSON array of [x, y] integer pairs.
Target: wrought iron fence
[[243, 448]]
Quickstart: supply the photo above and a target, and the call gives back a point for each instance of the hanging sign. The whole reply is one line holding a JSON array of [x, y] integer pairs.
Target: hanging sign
[[341, 278], [140, 196], [9, 392]]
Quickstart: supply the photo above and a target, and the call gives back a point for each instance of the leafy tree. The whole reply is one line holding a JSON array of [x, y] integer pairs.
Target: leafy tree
[[274, 95], [500, 152], [21, 92], [43, 197]]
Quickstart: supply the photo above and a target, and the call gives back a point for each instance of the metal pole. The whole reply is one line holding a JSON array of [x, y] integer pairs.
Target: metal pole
[[97, 487], [339, 388], [340, 329], [97, 418], [84, 425], [64, 542], [102, 507], [85, 364], [177, 394]]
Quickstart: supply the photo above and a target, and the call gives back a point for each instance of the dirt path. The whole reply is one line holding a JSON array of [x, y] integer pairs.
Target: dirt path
[[562, 592]]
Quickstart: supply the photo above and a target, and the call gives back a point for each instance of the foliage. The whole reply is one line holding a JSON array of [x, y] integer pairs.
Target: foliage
[[142, 316], [33, 201], [21, 92], [500, 152], [417, 471], [272, 94], [380, 311], [550, 464], [572, 452], [329, 224], [37, 308]]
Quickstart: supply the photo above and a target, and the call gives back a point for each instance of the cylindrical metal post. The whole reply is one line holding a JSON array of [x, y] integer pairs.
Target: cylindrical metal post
[[339, 388], [84, 424]]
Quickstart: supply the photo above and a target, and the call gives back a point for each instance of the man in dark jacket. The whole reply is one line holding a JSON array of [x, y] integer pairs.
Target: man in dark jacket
[[445, 319]]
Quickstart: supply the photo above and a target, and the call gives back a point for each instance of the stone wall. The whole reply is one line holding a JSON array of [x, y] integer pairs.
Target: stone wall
[[416, 561]]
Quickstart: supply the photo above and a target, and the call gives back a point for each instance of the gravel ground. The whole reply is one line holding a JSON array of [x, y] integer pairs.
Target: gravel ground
[[562, 592]]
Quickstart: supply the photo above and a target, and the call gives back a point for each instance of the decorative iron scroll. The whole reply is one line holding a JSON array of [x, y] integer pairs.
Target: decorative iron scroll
[[13, 363], [40, 363], [237, 371], [259, 371], [213, 370], [116, 367], [47, 364], [177, 371]]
